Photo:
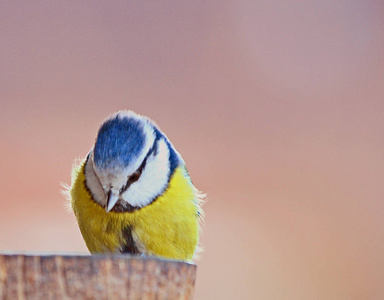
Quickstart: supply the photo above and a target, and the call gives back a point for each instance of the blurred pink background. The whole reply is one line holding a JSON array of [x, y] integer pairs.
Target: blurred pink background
[[277, 107]]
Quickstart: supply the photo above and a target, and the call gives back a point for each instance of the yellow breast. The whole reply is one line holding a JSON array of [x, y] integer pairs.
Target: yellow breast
[[168, 227]]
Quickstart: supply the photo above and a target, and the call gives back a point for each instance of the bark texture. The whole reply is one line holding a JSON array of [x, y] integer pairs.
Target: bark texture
[[94, 277]]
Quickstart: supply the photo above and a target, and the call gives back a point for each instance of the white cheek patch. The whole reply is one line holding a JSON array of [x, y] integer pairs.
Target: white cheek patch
[[93, 182], [153, 180]]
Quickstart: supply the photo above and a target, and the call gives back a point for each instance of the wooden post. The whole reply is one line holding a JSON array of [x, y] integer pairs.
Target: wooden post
[[50, 276]]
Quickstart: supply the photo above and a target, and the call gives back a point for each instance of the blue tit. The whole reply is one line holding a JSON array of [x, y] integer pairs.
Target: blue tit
[[133, 193]]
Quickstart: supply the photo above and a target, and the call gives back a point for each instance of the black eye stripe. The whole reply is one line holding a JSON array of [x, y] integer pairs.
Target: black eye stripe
[[132, 180], [140, 169]]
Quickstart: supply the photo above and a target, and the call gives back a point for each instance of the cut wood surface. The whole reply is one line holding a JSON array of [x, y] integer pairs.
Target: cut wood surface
[[50, 276]]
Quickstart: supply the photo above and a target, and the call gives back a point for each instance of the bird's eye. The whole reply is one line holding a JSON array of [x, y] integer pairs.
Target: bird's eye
[[135, 176]]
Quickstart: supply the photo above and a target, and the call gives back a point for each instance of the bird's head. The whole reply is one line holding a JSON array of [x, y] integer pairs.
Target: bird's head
[[130, 163]]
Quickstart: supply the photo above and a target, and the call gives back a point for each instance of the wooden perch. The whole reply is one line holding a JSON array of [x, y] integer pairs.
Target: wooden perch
[[94, 277]]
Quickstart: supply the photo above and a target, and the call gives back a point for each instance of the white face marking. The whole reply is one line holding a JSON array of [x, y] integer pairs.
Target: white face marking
[[153, 179], [93, 182]]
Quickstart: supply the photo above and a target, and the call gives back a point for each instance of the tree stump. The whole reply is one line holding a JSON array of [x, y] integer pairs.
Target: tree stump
[[50, 276]]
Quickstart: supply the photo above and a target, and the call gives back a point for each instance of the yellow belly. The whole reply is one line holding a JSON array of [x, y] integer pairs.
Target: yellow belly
[[169, 227]]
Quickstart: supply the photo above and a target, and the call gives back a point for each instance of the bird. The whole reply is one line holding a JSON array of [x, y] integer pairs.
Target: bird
[[132, 193]]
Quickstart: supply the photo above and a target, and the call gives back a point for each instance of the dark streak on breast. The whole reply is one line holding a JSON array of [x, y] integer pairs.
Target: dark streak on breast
[[129, 244]]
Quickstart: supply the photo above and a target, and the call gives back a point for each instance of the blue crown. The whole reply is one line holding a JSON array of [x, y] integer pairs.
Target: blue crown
[[119, 142]]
